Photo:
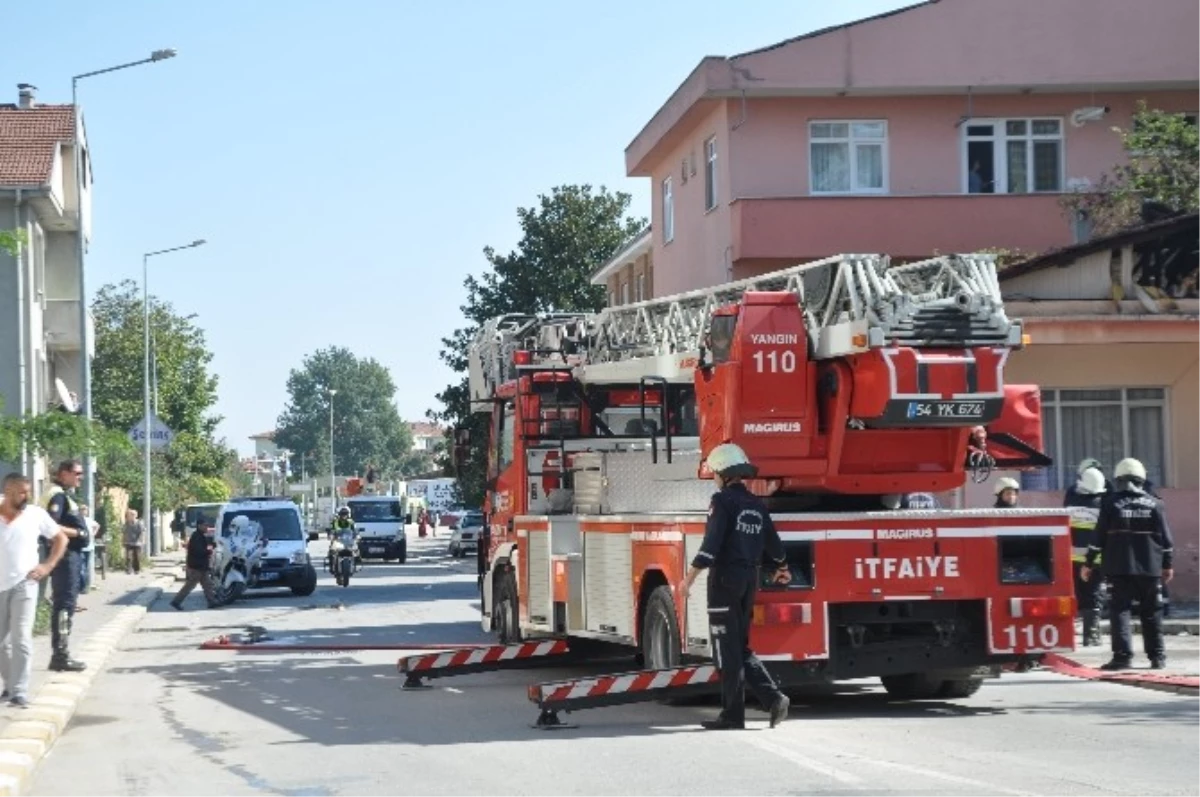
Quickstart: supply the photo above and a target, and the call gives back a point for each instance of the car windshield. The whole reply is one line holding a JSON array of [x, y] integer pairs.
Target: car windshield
[[375, 511], [471, 519], [277, 524], [195, 514]]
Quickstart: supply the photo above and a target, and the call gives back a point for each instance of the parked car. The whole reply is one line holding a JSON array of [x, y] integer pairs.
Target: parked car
[[464, 534]]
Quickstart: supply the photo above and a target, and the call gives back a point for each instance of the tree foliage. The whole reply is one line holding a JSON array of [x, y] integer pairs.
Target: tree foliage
[[367, 429], [564, 238], [187, 392], [1162, 167], [11, 241]]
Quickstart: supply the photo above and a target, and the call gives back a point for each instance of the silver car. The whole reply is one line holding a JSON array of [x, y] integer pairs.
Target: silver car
[[464, 533]]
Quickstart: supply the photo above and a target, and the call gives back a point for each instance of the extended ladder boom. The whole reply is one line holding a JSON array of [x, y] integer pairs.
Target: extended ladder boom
[[851, 303]]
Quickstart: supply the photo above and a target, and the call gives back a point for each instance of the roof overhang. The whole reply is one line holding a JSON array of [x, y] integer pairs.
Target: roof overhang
[[638, 246]]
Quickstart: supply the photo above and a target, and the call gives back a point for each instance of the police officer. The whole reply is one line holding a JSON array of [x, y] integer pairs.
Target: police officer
[[1084, 502], [64, 580], [340, 523], [739, 529], [1132, 534], [1008, 491]]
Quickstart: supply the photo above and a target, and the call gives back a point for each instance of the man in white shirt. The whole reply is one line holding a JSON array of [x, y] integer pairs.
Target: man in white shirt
[[21, 524]]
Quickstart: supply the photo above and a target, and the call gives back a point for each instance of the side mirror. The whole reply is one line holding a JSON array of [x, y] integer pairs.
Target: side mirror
[[701, 359]]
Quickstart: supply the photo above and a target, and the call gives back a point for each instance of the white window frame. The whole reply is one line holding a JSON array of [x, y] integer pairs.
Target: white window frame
[[668, 210], [1000, 152], [1066, 470], [711, 199], [850, 140]]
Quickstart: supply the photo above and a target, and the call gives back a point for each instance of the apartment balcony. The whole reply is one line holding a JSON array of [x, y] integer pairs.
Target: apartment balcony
[[770, 232], [61, 324]]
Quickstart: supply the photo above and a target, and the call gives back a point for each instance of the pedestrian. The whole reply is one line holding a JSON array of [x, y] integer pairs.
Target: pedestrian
[[1084, 503], [64, 580], [738, 532], [422, 519], [21, 526], [199, 552], [87, 555], [133, 534], [1133, 538], [1008, 492]]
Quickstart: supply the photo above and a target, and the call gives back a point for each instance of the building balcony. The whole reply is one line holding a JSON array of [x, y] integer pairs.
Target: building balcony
[[775, 231], [61, 322]]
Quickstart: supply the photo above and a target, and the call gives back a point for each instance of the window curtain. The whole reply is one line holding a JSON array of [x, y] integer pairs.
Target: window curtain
[[831, 167]]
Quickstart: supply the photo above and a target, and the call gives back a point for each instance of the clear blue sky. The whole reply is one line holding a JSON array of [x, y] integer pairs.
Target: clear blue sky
[[348, 161]]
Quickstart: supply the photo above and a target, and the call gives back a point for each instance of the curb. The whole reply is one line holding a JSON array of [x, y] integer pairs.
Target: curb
[[26, 741]]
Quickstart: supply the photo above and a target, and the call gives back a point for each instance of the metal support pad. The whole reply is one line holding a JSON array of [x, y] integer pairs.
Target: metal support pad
[[482, 659]]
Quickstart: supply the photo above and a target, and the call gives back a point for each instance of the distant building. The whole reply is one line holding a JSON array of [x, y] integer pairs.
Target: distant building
[[426, 436]]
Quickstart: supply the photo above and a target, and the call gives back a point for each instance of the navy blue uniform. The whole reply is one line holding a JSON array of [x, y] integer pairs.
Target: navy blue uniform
[[738, 533], [1132, 534], [66, 576]]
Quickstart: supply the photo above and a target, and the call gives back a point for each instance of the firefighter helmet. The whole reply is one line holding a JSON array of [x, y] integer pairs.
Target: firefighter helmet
[[1091, 481], [1007, 484], [729, 460], [1130, 468], [238, 523], [1089, 462]]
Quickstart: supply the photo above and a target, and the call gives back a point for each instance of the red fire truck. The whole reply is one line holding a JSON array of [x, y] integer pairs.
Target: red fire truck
[[851, 384]]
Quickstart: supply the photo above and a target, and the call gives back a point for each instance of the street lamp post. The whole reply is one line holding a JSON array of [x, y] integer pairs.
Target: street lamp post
[[85, 361], [146, 484], [332, 469]]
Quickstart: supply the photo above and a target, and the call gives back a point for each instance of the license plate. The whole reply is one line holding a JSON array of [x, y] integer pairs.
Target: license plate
[[946, 409], [268, 576], [375, 550]]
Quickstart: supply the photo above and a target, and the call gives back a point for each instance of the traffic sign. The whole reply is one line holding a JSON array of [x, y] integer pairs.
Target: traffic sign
[[160, 434]]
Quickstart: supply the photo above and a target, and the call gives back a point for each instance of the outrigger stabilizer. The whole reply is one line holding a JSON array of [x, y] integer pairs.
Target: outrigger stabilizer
[[481, 659], [619, 689]]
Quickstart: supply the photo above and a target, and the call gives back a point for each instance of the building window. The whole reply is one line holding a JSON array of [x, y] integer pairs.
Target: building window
[[1013, 156], [1108, 424], [641, 288], [848, 157], [710, 173], [668, 211]]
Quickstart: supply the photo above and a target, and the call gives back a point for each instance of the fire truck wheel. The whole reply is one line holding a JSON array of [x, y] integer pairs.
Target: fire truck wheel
[[960, 687], [660, 631], [507, 623], [912, 686]]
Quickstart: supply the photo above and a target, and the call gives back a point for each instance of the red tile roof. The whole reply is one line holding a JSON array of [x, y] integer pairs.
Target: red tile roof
[[28, 140], [426, 429]]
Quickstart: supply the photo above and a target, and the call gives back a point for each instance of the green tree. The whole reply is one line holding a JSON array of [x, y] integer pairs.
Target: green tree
[[1162, 166], [11, 241], [187, 392], [564, 238], [367, 429]]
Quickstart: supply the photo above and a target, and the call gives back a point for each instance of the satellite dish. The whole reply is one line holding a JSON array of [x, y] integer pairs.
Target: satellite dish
[[64, 396]]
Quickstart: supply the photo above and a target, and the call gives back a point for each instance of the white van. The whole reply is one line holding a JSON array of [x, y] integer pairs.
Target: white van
[[379, 520], [286, 562]]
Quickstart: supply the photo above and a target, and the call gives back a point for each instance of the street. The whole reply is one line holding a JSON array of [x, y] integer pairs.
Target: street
[[168, 718]]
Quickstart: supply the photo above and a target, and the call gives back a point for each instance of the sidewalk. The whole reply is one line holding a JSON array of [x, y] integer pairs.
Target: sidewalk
[[107, 598]]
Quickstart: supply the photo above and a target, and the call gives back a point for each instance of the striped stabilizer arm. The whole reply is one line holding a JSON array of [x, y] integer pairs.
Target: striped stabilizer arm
[[629, 687]]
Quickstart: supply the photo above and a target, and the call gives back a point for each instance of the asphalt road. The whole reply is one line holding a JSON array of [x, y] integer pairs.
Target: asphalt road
[[168, 718]]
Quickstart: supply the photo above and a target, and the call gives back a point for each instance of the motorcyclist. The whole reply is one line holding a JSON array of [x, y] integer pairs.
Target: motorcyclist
[[341, 522], [1084, 502], [1008, 491]]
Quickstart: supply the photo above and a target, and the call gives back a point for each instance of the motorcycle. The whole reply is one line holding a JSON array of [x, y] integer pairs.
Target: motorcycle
[[235, 558], [343, 559]]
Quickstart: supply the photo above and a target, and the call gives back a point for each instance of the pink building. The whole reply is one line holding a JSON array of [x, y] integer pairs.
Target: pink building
[[863, 137]]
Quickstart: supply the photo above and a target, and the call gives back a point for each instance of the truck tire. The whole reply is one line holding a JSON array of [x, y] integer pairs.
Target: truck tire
[[960, 687], [912, 686], [660, 632], [507, 611], [307, 585]]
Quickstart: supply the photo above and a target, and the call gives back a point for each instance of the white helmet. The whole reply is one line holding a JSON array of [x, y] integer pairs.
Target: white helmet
[[1089, 462], [1091, 481], [1130, 468], [729, 459], [1007, 483], [238, 523]]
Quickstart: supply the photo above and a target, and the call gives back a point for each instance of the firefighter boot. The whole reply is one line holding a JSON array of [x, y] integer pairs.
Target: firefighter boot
[[61, 660], [1091, 629]]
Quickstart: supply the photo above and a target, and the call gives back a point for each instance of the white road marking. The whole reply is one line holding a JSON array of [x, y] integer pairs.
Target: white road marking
[[803, 761]]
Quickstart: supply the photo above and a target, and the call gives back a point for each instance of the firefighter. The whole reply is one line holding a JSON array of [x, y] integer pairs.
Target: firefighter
[[738, 531], [1084, 502], [1085, 465], [1008, 491], [1132, 534]]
